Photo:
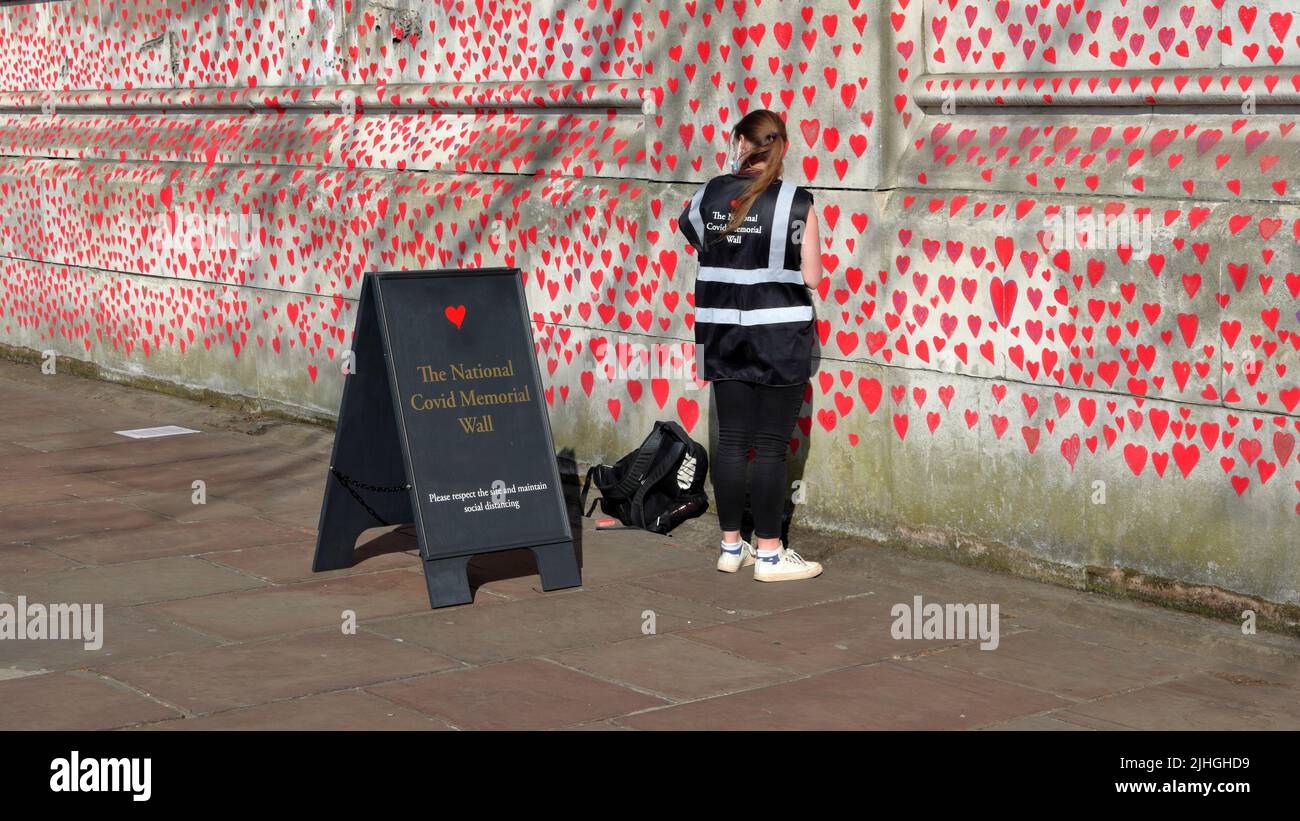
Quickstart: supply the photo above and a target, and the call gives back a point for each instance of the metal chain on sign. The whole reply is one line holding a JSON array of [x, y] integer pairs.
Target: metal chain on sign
[[349, 484]]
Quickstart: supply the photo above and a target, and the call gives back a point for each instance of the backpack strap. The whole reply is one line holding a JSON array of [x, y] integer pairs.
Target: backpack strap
[[677, 431], [665, 466], [640, 464], [586, 486], [660, 470]]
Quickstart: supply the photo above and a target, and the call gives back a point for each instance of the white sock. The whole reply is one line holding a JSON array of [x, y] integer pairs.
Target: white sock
[[769, 554], [732, 548]]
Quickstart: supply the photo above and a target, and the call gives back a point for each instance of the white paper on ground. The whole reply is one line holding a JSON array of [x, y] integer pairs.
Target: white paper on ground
[[154, 433]]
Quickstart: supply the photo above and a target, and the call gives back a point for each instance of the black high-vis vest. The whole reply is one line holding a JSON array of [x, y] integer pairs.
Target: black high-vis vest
[[753, 313]]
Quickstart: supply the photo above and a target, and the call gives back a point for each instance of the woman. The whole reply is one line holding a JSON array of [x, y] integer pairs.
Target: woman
[[756, 239]]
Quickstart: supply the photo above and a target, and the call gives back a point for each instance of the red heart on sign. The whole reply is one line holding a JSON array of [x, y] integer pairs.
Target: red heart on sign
[[455, 315]]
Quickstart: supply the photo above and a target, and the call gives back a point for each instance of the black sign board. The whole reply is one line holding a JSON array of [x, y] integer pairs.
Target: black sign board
[[443, 423]]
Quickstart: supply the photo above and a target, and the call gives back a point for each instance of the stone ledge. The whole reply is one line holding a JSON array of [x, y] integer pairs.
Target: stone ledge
[[1206, 87], [404, 96]]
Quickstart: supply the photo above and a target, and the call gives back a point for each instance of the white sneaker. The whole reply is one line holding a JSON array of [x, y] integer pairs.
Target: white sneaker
[[786, 566], [729, 562]]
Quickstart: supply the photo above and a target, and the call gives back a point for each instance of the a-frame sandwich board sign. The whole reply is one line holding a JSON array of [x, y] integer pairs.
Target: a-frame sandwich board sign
[[443, 424]]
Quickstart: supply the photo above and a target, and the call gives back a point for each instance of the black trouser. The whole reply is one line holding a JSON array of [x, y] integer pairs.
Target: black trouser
[[761, 417]]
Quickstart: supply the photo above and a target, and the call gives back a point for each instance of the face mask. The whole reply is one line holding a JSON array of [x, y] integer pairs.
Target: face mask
[[735, 161]]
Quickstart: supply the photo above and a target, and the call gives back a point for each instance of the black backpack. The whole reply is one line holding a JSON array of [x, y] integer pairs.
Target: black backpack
[[655, 487]]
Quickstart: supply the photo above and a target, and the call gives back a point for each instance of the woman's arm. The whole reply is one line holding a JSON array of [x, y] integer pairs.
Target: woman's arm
[[688, 230], [810, 260]]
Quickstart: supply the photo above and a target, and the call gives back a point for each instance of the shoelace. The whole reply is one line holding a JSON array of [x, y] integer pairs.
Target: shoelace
[[793, 558]]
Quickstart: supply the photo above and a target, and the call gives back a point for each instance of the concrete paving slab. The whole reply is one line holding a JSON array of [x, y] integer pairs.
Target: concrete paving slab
[[291, 608], [885, 696], [49, 522], [818, 638], [180, 506], [243, 675], [169, 538], [672, 667], [127, 633], [287, 563], [687, 614], [523, 695], [739, 592], [74, 701], [1071, 669], [559, 621], [1203, 701], [346, 710], [154, 580], [24, 492], [19, 563]]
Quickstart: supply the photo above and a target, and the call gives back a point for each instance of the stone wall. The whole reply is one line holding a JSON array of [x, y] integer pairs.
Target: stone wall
[[1061, 327]]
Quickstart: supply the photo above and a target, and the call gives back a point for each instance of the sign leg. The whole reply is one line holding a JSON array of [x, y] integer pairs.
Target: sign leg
[[367, 447], [342, 521], [448, 581], [557, 564]]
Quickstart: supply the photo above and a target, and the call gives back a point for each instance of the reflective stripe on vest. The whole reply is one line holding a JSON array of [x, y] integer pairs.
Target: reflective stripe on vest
[[760, 316], [781, 227], [697, 221], [749, 276]]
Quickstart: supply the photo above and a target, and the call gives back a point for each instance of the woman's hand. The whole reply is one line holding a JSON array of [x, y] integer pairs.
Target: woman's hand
[[810, 260]]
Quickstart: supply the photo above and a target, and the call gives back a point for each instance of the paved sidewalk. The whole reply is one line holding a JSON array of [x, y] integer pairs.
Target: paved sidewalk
[[215, 620]]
